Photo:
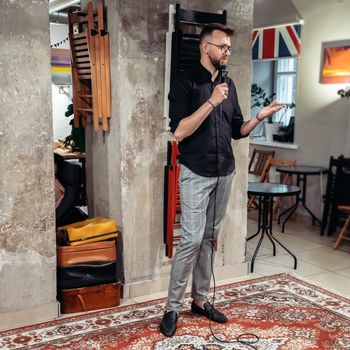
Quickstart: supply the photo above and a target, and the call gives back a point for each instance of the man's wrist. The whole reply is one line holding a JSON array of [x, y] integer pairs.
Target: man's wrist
[[260, 120], [211, 103]]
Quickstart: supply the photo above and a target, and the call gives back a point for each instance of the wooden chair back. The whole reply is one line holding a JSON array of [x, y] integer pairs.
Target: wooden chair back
[[271, 162], [274, 163], [342, 235], [259, 160]]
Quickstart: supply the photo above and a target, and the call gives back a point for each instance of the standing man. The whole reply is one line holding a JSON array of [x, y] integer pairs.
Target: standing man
[[204, 116]]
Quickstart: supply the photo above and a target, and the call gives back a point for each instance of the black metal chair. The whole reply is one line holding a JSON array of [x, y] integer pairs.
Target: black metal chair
[[337, 192], [185, 38]]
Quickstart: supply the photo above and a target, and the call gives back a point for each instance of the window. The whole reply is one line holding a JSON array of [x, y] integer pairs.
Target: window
[[285, 87], [276, 77]]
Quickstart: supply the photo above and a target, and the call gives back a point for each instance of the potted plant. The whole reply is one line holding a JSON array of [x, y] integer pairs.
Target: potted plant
[[262, 99]]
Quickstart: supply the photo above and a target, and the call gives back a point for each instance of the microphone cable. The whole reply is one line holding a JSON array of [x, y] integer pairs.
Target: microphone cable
[[244, 338]]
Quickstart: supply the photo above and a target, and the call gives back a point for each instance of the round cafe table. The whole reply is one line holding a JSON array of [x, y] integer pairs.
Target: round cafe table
[[301, 172], [265, 193]]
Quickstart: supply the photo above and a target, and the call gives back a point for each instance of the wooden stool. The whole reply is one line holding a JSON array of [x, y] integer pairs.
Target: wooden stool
[[345, 209]]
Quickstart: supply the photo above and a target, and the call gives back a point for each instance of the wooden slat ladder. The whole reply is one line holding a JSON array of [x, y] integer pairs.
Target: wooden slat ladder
[[101, 40], [94, 67], [81, 67], [90, 65]]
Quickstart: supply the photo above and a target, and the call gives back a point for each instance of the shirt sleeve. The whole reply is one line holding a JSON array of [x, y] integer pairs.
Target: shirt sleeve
[[179, 101], [237, 118]]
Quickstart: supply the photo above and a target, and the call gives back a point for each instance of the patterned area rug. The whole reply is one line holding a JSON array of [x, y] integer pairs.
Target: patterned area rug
[[284, 311]]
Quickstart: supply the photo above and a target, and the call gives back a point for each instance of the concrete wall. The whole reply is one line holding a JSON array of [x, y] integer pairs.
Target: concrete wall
[[27, 236], [322, 117], [125, 167]]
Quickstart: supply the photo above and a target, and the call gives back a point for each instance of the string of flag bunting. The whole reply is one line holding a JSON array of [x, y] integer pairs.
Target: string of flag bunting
[[60, 43]]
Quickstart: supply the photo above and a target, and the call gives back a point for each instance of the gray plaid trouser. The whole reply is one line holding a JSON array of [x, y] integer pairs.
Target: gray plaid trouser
[[195, 248]]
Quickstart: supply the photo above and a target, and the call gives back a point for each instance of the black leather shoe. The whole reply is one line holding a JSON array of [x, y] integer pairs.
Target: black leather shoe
[[209, 312], [168, 324]]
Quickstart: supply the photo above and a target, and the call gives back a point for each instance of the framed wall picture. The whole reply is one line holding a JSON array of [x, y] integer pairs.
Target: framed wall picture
[[60, 67], [335, 67]]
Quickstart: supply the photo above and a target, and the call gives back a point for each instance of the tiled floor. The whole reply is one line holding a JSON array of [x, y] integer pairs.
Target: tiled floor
[[317, 261]]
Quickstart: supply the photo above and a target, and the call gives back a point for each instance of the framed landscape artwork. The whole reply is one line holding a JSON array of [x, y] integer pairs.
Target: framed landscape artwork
[[335, 68]]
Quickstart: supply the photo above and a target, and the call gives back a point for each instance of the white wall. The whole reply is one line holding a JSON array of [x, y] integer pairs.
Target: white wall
[[322, 117], [60, 101]]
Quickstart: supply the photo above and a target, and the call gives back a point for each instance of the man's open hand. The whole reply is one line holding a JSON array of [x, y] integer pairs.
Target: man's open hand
[[269, 110]]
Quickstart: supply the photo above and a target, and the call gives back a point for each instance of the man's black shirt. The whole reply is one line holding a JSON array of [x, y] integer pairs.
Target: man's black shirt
[[203, 152]]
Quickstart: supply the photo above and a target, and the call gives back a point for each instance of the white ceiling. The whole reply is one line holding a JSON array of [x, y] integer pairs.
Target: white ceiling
[[274, 12], [59, 5]]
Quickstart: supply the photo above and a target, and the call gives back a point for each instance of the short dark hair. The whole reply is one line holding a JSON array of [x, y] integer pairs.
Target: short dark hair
[[209, 28]]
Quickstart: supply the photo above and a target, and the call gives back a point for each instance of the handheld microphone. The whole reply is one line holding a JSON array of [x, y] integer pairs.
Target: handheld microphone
[[223, 73]]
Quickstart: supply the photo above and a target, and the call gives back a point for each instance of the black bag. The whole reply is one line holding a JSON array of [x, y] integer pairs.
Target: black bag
[[86, 275]]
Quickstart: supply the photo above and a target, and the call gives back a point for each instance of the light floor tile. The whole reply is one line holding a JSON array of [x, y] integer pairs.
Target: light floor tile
[[343, 272], [316, 238], [265, 269], [286, 261], [262, 253], [326, 258], [296, 244], [333, 281], [266, 243], [149, 297], [127, 302], [301, 227]]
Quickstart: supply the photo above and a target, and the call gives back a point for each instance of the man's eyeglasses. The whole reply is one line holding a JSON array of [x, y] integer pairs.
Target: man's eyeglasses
[[223, 48]]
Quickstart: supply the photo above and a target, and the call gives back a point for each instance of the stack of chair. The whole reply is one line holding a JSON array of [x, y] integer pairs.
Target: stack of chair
[[90, 61], [172, 203], [87, 267], [172, 206]]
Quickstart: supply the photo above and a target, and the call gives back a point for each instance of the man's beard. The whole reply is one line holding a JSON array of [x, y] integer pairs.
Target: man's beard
[[215, 62]]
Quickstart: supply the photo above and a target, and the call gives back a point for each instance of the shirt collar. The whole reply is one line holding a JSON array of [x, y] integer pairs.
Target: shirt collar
[[203, 74]]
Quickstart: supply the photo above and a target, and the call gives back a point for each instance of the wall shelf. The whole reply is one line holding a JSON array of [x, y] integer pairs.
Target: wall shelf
[[261, 141]]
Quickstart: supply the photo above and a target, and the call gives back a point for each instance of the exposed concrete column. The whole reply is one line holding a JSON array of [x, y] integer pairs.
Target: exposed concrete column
[[126, 165], [27, 228]]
